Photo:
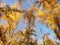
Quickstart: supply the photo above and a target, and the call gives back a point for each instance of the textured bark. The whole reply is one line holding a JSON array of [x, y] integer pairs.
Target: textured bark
[[57, 30]]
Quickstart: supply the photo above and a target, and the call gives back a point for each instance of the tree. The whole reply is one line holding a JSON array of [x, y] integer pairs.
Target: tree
[[48, 13], [12, 17]]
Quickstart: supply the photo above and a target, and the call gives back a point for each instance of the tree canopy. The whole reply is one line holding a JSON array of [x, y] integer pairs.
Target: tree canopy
[[47, 12]]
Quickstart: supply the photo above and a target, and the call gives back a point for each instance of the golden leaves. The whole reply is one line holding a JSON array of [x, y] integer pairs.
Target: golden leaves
[[47, 12], [51, 23], [12, 18], [47, 18], [39, 13]]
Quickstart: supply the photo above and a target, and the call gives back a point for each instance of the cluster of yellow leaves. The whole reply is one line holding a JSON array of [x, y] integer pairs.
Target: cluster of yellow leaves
[[48, 4], [48, 18], [40, 13], [12, 18], [51, 22], [47, 12]]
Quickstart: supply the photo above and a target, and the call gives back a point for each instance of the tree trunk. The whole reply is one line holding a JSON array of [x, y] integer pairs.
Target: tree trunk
[[57, 30]]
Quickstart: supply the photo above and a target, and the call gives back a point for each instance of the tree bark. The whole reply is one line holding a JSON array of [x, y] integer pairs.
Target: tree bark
[[57, 30]]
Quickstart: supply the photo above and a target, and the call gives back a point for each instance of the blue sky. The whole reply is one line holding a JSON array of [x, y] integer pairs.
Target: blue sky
[[43, 27]]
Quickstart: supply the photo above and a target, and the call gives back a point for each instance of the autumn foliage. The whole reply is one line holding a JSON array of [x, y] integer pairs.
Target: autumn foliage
[[47, 12]]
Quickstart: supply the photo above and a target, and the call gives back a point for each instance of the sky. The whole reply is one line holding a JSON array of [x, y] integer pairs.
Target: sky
[[39, 25]]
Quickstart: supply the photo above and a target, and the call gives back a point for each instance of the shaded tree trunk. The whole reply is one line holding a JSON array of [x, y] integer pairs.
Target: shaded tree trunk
[[57, 30]]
